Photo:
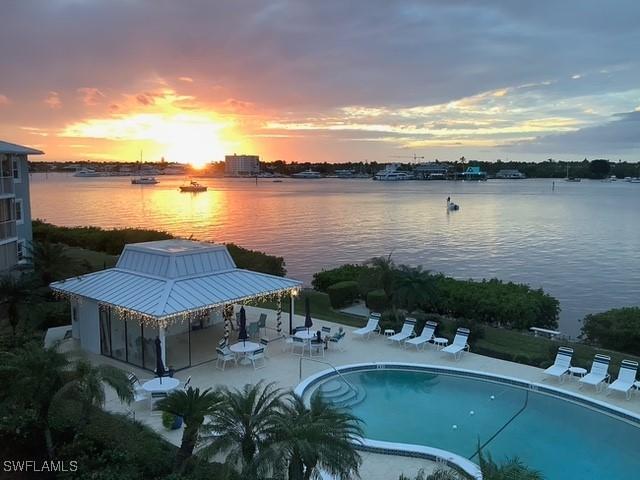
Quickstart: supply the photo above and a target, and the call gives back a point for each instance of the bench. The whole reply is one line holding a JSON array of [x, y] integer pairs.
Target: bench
[[545, 332]]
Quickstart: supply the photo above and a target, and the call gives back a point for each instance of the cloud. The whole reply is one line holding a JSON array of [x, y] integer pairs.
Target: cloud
[[4, 100], [52, 100], [186, 79], [620, 134], [91, 96]]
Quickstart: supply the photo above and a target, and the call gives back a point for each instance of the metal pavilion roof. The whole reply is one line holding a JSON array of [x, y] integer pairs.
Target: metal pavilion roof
[[173, 277]]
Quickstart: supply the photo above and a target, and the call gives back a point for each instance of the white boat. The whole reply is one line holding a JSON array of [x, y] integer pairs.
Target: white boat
[[144, 181], [635, 180], [193, 187], [307, 174], [87, 172], [391, 173]]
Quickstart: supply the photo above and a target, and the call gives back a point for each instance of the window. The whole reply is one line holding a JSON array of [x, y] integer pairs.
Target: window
[[16, 169], [19, 219], [22, 251]]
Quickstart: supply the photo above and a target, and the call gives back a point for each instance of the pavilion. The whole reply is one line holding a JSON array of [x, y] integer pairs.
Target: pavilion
[[177, 290]]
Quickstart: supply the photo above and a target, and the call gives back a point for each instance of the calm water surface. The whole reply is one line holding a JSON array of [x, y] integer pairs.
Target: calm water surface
[[581, 242]]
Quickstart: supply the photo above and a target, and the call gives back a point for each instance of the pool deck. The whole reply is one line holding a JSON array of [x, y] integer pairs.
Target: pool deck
[[283, 368]]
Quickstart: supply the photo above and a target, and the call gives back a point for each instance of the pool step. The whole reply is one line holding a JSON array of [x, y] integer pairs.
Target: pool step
[[339, 393]]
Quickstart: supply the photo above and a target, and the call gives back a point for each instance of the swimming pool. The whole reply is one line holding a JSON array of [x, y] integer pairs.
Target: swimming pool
[[456, 410]]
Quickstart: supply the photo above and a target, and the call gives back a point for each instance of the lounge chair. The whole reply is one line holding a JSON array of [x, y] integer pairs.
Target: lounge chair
[[425, 336], [626, 378], [561, 364], [459, 344], [406, 332], [599, 372], [371, 326]]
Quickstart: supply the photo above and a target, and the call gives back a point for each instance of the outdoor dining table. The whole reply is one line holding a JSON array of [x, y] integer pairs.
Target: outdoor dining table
[[155, 386], [242, 348], [305, 335]]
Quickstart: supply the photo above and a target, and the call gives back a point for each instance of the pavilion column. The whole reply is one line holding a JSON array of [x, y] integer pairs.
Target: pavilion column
[[291, 306], [163, 345]]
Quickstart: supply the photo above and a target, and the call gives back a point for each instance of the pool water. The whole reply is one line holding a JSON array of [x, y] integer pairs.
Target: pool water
[[561, 439]]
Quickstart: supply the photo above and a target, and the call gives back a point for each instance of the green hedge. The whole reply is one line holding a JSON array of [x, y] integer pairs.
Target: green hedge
[[377, 300], [113, 241], [342, 294], [349, 272], [617, 329]]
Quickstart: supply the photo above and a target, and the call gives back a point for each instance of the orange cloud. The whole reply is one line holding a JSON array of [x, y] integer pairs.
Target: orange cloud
[[53, 100], [186, 79], [91, 96], [4, 100]]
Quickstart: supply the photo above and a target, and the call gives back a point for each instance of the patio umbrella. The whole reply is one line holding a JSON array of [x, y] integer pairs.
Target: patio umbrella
[[159, 363], [242, 330], [308, 323]]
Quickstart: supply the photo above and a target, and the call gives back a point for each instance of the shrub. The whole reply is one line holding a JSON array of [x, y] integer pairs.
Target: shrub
[[377, 300], [257, 261], [342, 294], [617, 329], [391, 320], [349, 272]]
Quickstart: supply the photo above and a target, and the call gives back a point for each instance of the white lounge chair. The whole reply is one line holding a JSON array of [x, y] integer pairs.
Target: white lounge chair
[[459, 344], [371, 326], [599, 372], [561, 365], [426, 335], [406, 332], [626, 378]]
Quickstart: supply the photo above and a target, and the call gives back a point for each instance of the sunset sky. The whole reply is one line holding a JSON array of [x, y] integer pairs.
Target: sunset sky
[[321, 80]]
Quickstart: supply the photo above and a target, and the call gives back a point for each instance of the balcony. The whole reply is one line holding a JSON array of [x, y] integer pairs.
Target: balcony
[[8, 230], [7, 185]]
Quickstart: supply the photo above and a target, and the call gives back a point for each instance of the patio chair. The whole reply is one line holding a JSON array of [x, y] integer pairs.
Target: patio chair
[[253, 329], [371, 326], [459, 344], [337, 339], [326, 331], [265, 344], [599, 372], [406, 332], [317, 347], [626, 378], [298, 343], [256, 357], [561, 364], [224, 356], [262, 321], [426, 335], [185, 387], [139, 394]]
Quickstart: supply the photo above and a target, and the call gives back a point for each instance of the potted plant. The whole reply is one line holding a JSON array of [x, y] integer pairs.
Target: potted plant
[[171, 421]]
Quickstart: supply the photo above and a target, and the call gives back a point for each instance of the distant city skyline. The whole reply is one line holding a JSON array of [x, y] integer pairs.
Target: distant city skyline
[[329, 81]]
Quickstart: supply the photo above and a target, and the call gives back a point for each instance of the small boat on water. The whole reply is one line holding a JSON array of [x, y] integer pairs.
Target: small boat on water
[[144, 181], [307, 174], [87, 172], [193, 187], [571, 179], [391, 173]]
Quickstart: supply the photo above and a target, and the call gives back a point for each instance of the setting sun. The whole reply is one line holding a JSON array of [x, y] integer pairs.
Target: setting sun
[[195, 138]]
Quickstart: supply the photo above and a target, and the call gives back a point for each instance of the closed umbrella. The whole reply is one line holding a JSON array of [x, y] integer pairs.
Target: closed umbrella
[[308, 323], [242, 330], [159, 364]]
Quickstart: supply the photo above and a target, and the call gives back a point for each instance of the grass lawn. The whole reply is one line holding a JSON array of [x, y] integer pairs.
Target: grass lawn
[[97, 260]]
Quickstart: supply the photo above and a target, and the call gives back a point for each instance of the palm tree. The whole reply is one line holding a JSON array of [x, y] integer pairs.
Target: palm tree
[[413, 287], [50, 260], [192, 405], [243, 423], [40, 377], [14, 293], [511, 469], [384, 272], [318, 436]]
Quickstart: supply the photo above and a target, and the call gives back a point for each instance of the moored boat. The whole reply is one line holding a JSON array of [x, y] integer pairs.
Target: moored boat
[[193, 187]]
